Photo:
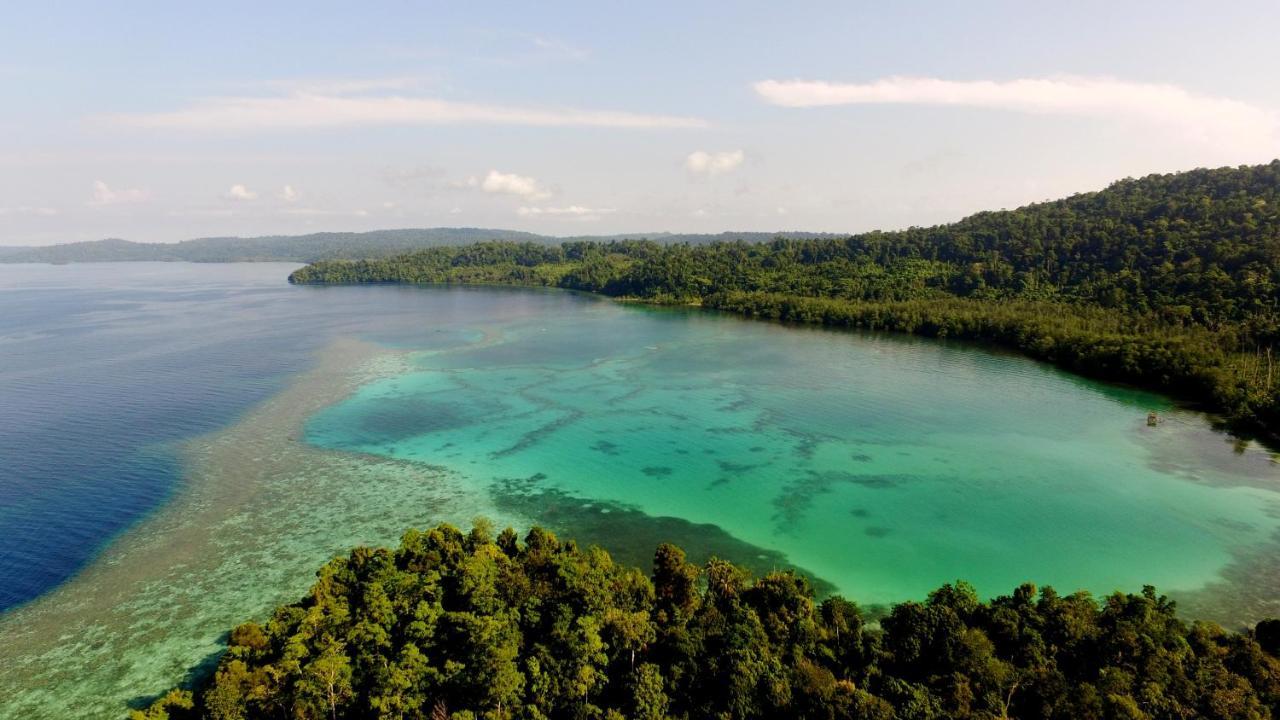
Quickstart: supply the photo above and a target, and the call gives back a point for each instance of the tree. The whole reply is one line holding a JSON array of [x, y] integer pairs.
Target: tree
[[674, 581], [327, 678], [649, 700], [455, 626], [173, 705], [1267, 633]]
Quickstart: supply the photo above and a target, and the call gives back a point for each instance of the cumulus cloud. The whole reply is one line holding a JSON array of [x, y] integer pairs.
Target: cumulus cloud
[[288, 194], [104, 195], [1215, 120], [510, 184], [311, 110], [577, 212], [240, 192], [702, 162]]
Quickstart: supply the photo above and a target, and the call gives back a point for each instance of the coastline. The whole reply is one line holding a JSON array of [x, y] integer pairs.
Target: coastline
[[845, 315], [258, 511], [158, 598]]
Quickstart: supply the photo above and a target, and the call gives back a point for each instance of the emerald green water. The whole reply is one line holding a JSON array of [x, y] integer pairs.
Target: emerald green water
[[880, 466], [297, 422]]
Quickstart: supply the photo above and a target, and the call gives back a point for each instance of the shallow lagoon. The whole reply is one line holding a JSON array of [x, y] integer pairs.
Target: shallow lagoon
[[881, 466], [243, 431]]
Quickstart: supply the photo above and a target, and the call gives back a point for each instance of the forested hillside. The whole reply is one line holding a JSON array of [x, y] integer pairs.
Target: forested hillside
[[472, 626], [1169, 281]]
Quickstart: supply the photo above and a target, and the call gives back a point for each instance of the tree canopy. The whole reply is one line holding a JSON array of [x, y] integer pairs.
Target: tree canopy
[[467, 626]]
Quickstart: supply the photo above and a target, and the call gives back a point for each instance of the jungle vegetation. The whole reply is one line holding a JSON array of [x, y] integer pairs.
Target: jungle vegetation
[[1171, 282], [468, 626]]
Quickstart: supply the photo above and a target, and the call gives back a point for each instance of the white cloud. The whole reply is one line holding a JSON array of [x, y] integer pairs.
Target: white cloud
[[29, 210], [510, 184], [455, 211], [576, 212], [405, 176], [104, 195], [311, 212], [1215, 120], [342, 86], [310, 110], [559, 48], [288, 194], [702, 162], [240, 192], [314, 212]]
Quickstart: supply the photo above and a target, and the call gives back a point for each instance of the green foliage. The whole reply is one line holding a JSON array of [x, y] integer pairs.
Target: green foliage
[[1169, 281], [173, 705], [465, 626]]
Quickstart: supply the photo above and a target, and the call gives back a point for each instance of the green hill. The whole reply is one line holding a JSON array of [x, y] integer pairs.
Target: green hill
[[1168, 281]]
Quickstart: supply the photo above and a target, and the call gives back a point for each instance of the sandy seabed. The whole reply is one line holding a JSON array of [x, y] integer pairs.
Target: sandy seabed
[[258, 512]]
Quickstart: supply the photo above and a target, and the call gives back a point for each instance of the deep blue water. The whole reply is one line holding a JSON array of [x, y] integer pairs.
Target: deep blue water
[[103, 366]]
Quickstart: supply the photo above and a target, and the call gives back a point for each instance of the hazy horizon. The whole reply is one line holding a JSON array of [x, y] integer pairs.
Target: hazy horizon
[[171, 123], [636, 234]]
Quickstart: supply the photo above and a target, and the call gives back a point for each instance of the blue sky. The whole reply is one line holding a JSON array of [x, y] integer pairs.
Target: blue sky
[[154, 121]]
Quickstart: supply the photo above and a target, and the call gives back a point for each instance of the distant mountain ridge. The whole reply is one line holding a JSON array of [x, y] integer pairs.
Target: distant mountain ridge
[[333, 245]]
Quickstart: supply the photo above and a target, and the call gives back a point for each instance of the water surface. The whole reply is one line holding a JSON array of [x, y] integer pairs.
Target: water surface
[[882, 466], [184, 444]]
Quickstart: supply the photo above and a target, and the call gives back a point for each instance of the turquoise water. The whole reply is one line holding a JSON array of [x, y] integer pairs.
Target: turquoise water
[[184, 445], [880, 466]]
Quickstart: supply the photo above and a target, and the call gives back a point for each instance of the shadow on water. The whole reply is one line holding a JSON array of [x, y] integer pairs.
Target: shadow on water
[[631, 535], [1245, 591], [195, 677]]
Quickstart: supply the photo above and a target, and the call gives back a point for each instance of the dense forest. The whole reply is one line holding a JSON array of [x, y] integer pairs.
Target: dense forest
[[1168, 281], [475, 626], [321, 246]]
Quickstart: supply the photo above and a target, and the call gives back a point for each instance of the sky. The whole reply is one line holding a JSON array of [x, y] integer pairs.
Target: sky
[[168, 121]]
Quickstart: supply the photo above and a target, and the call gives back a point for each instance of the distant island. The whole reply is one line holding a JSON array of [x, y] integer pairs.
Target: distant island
[[1170, 282], [330, 245], [453, 626]]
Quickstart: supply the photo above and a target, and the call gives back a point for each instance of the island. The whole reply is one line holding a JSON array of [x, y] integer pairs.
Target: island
[[1168, 282], [466, 626]]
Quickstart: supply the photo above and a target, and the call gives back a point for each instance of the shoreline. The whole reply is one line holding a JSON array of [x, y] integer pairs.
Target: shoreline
[[1243, 428], [257, 512], [158, 597]]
